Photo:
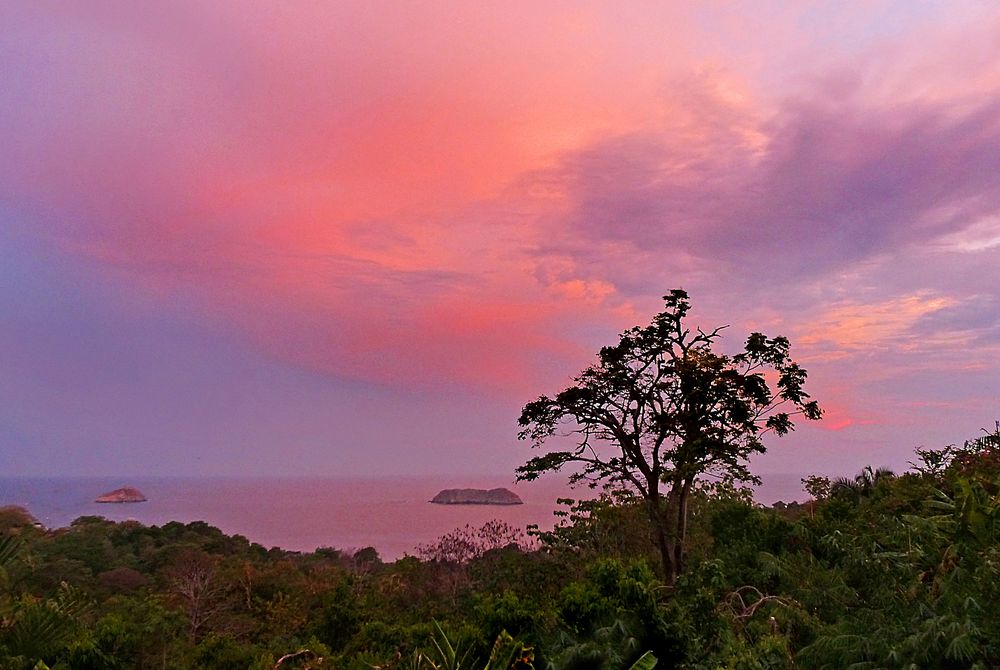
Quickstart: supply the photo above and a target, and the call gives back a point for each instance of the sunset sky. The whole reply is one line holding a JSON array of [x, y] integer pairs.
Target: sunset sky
[[354, 238]]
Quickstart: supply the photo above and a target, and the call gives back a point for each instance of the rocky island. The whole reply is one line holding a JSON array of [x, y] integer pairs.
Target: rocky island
[[126, 494], [477, 497]]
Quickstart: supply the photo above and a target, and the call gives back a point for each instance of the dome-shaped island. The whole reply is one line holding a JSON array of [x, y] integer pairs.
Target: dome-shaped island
[[126, 494], [477, 497]]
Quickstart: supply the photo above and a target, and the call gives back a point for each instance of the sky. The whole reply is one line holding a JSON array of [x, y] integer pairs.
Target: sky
[[355, 238]]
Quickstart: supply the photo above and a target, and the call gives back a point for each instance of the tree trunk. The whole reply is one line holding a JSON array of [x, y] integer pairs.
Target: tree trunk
[[666, 537], [667, 551], [670, 527], [681, 511]]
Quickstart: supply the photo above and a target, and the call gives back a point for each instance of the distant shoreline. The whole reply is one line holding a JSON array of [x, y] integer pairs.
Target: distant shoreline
[[300, 514]]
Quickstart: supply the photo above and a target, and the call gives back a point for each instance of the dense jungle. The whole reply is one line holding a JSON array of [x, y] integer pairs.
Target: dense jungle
[[880, 570]]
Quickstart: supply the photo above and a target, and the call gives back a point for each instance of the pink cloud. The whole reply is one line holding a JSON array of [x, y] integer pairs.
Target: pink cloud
[[477, 197]]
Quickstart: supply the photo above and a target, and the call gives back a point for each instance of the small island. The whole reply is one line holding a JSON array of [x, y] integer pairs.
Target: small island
[[126, 494], [477, 497]]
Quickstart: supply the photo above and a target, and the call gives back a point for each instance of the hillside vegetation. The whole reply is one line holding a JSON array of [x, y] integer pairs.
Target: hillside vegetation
[[879, 571]]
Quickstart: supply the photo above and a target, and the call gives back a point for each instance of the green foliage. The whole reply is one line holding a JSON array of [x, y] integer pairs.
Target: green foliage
[[11, 547], [613, 525], [340, 617], [862, 486], [508, 612], [645, 662], [41, 629], [906, 575], [816, 486], [220, 651], [466, 544], [928, 589], [611, 617], [509, 654], [448, 657], [506, 654], [977, 455], [770, 652]]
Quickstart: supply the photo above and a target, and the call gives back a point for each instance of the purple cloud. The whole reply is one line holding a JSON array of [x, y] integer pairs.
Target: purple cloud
[[833, 183]]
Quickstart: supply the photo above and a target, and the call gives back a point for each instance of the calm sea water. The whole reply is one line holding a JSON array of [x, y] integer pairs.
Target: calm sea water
[[391, 514]]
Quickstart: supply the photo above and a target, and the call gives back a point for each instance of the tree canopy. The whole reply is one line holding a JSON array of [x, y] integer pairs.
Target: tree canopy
[[662, 408], [905, 576]]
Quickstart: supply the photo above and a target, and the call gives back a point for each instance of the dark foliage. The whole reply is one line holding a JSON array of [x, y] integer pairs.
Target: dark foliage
[[661, 409], [905, 576]]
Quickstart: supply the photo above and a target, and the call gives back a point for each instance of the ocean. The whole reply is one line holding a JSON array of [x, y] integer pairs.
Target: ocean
[[392, 514]]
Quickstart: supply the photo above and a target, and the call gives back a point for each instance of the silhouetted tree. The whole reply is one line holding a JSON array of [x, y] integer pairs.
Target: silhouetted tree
[[662, 408]]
